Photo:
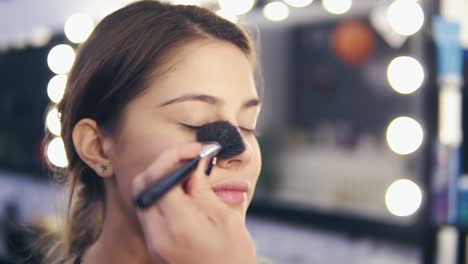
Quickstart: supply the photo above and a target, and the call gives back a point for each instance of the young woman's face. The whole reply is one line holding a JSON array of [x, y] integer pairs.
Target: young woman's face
[[213, 81]]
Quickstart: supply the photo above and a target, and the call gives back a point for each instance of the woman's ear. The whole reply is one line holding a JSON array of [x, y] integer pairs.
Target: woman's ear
[[89, 144]]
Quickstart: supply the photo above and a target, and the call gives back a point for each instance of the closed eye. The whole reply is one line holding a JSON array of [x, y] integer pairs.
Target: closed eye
[[250, 131], [196, 128], [190, 128]]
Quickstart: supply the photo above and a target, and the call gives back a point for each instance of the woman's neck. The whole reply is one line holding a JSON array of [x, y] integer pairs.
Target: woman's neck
[[121, 239]]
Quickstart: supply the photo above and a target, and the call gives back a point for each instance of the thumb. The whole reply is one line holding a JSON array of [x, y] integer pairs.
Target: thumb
[[197, 183], [202, 194]]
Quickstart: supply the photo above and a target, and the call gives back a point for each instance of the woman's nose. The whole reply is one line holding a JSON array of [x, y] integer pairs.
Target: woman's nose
[[238, 161]]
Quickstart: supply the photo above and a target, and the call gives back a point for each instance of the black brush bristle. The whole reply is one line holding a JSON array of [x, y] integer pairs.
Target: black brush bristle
[[225, 134]]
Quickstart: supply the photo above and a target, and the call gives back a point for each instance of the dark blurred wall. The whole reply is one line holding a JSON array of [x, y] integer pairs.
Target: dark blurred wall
[[24, 75]]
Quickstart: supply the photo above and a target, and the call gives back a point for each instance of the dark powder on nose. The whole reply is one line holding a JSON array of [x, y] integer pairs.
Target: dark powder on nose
[[226, 134]]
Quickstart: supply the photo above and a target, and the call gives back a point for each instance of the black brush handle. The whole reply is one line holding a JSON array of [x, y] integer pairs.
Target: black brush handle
[[156, 190]]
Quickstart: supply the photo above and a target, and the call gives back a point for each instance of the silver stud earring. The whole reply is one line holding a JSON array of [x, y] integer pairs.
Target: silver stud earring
[[215, 159], [103, 169]]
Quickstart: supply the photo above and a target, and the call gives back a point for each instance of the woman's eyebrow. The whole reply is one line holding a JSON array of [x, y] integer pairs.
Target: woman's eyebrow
[[193, 97], [209, 99]]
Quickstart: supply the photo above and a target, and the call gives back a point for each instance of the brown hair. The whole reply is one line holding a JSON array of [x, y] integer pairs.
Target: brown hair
[[126, 50]]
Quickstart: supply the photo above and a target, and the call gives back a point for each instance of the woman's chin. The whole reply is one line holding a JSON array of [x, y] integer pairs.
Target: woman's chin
[[236, 203]]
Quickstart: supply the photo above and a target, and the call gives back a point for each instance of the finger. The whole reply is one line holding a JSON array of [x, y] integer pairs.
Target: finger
[[202, 194], [182, 216], [156, 233], [154, 227], [152, 221], [164, 164], [175, 205], [165, 221]]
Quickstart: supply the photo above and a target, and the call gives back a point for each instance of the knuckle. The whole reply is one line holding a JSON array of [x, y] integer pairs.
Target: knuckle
[[137, 184], [161, 248], [180, 231], [145, 178], [196, 190], [171, 154]]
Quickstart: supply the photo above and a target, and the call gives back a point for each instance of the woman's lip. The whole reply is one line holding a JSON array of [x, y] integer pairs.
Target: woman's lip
[[232, 197], [233, 186], [232, 192]]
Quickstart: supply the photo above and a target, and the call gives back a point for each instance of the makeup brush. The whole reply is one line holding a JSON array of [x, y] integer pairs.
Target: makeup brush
[[226, 134], [157, 189], [224, 142]]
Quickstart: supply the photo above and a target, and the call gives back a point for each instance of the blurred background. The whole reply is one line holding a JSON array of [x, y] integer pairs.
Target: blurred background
[[361, 131]]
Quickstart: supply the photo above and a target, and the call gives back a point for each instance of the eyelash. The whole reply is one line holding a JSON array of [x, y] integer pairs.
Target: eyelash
[[191, 128], [195, 128]]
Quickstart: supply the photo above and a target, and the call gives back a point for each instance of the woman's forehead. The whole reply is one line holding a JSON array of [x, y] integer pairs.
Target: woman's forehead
[[215, 68]]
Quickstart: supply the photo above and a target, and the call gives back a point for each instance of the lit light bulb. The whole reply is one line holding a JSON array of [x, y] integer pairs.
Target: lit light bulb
[[404, 135], [337, 7], [403, 197], [53, 121], [236, 7], [298, 3], [78, 27], [56, 88], [224, 14], [56, 153], [41, 36], [276, 11], [405, 17], [109, 8], [61, 58], [186, 2], [405, 74]]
